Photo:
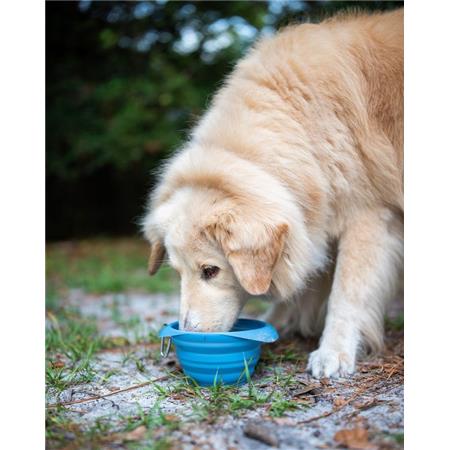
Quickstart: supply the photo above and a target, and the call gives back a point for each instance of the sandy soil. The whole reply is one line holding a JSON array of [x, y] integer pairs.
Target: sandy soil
[[364, 412]]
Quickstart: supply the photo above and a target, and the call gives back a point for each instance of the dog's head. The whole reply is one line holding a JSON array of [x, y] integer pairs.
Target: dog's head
[[223, 250]]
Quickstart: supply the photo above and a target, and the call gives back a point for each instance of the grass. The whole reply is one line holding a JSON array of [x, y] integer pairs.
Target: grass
[[280, 405], [210, 403], [280, 353], [399, 438], [390, 440], [104, 266], [60, 431], [395, 324], [72, 342], [75, 340]]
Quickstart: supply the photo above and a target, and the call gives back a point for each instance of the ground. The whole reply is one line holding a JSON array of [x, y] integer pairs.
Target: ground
[[108, 387]]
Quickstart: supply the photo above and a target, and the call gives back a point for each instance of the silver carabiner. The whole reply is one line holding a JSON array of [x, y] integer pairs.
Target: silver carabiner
[[165, 349]]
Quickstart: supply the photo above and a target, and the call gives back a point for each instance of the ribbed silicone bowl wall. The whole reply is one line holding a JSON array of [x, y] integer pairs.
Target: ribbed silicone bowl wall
[[216, 358]]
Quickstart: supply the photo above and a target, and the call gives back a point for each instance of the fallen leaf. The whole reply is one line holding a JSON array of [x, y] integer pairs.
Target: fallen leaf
[[305, 401], [367, 403], [135, 435], [356, 438], [171, 417], [116, 341], [339, 401], [305, 389], [179, 396], [57, 364]]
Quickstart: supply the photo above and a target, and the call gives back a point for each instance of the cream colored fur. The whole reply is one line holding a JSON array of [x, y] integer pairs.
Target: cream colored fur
[[292, 184]]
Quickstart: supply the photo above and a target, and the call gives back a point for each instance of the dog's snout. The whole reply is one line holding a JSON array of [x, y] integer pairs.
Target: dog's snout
[[184, 321], [187, 324], [191, 327]]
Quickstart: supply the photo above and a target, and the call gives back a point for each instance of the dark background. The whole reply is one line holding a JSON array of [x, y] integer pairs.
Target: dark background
[[124, 83]]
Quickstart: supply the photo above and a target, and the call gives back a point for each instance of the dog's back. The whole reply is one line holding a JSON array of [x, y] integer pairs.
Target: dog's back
[[324, 99]]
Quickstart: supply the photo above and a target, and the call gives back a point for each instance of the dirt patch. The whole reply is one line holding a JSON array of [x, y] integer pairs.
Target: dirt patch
[[134, 399]]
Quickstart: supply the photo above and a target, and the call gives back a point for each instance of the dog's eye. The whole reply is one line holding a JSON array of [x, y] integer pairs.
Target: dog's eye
[[209, 272]]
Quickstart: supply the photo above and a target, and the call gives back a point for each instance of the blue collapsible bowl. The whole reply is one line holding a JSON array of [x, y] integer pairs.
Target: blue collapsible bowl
[[222, 357]]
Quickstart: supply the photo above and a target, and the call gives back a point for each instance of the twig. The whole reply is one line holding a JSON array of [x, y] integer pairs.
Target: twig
[[361, 408], [99, 397], [334, 410], [130, 347], [394, 369]]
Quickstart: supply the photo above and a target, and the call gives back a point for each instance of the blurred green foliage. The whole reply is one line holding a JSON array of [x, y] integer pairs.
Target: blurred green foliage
[[124, 83], [101, 266]]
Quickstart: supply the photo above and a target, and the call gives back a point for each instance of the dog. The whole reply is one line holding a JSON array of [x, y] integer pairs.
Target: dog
[[291, 185]]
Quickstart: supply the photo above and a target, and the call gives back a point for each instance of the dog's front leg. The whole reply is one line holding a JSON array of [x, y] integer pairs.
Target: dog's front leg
[[369, 257]]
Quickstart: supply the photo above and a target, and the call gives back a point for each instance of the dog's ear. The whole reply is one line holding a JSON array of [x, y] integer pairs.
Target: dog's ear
[[251, 248], [157, 253]]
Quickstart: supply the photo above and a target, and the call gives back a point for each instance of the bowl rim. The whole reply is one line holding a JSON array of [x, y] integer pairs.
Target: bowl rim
[[263, 332]]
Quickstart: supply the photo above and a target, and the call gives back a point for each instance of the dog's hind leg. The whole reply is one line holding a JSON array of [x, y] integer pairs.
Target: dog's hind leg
[[305, 313]]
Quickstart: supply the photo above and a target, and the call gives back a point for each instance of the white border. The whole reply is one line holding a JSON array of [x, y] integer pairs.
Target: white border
[[427, 224], [22, 224]]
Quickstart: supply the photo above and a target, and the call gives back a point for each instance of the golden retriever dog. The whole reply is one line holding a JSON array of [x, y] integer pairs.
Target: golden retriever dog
[[291, 185]]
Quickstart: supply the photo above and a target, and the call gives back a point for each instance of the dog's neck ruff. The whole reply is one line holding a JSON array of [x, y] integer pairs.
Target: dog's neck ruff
[[248, 185]]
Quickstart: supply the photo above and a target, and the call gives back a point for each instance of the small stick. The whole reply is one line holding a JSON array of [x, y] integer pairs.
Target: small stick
[[99, 397], [334, 410], [394, 368]]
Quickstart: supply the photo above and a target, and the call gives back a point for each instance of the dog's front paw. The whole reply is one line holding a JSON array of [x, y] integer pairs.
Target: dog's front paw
[[329, 363]]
